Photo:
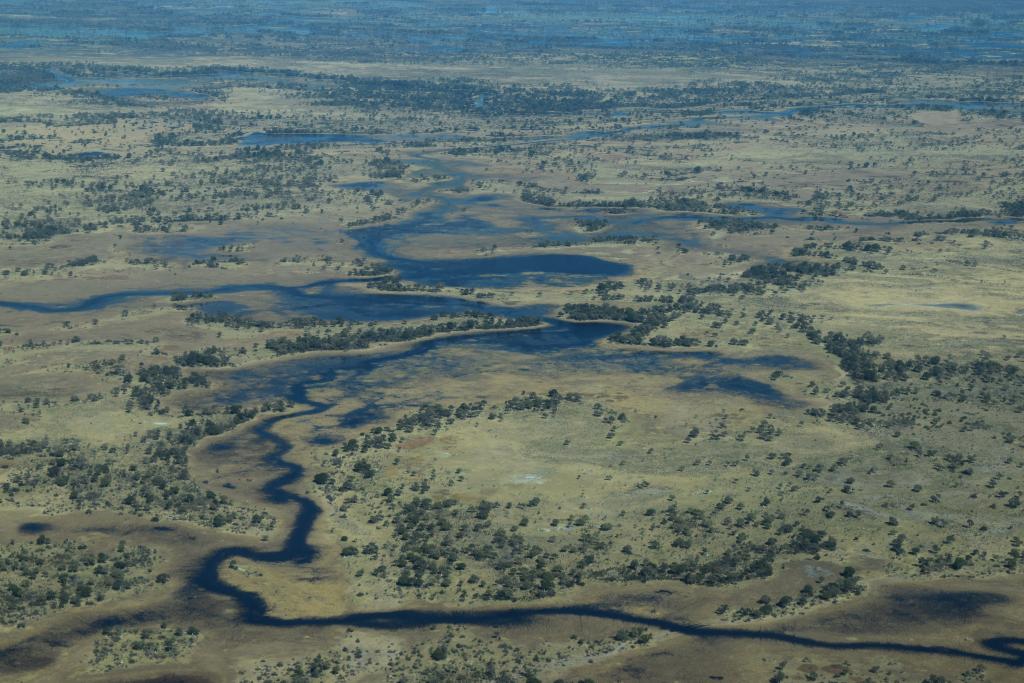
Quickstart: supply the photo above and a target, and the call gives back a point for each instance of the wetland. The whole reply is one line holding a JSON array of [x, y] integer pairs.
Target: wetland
[[568, 343]]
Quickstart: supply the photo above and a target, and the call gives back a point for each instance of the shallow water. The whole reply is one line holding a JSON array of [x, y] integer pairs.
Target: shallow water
[[322, 299], [744, 386], [952, 305], [561, 347], [957, 306]]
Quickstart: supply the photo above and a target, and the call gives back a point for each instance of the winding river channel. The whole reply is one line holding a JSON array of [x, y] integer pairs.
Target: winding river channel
[[558, 341]]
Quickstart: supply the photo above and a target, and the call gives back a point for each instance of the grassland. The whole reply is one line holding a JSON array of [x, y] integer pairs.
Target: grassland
[[804, 432]]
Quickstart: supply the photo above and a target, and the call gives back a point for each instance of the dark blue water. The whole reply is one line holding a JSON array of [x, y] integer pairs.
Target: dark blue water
[[322, 299], [385, 242], [447, 217], [511, 271], [560, 337], [559, 347], [444, 217], [126, 88], [308, 373], [331, 303], [957, 306], [224, 308], [189, 247], [760, 391], [562, 343]]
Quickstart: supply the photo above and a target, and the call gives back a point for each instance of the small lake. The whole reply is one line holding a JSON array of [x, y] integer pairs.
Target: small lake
[[742, 386]]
